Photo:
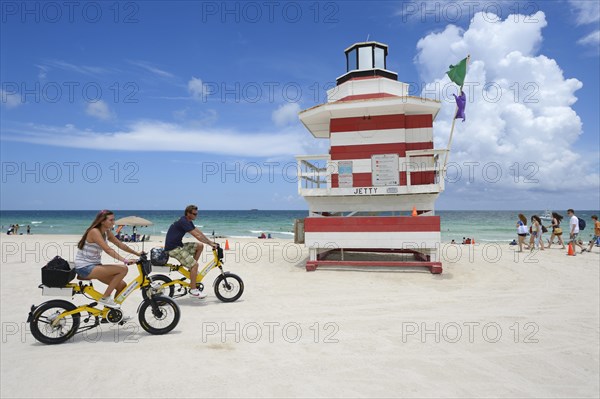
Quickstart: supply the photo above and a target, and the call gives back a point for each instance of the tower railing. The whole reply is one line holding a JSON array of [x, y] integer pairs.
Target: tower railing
[[314, 173], [433, 164]]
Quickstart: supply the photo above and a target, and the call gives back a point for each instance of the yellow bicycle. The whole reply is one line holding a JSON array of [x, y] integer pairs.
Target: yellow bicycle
[[58, 320], [228, 287]]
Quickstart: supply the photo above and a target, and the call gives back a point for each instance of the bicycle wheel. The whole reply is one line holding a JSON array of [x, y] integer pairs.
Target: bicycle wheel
[[43, 316], [229, 287], [165, 291], [159, 319]]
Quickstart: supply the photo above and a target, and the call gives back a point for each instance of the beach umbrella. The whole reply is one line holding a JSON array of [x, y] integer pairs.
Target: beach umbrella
[[133, 221]]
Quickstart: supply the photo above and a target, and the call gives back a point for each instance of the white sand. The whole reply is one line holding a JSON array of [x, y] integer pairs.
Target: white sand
[[528, 328]]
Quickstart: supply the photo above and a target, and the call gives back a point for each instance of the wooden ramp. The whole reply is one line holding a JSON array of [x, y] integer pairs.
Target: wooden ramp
[[367, 257]]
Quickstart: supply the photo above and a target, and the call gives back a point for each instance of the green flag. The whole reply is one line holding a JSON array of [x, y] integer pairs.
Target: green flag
[[457, 72]]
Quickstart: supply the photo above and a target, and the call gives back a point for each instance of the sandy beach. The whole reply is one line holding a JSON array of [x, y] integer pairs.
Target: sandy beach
[[494, 324]]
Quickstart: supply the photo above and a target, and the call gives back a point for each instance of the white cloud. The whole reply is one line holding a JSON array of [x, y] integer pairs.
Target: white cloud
[[586, 11], [196, 88], [99, 110], [518, 109], [493, 40], [151, 68], [43, 72], [83, 69], [10, 100], [593, 39], [286, 114], [197, 117], [161, 136]]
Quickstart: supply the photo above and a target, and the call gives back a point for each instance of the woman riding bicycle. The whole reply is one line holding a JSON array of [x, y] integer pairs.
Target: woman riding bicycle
[[88, 259]]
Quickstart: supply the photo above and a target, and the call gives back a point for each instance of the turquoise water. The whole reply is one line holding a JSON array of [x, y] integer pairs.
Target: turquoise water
[[484, 226], [223, 223]]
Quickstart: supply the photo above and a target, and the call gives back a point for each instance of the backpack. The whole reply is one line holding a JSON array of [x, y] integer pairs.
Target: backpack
[[158, 256], [57, 273], [58, 263], [581, 224]]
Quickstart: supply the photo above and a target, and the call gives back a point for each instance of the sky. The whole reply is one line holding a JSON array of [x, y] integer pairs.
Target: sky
[[156, 105]]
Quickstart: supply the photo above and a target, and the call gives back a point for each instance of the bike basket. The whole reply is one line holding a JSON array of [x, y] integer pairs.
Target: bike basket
[[159, 257], [56, 277]]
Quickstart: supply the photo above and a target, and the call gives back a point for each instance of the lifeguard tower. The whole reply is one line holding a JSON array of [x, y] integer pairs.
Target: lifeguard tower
[[375, 191]]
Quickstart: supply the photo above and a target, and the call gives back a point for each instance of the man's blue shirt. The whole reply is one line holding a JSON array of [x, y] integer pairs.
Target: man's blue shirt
[[176, 232]]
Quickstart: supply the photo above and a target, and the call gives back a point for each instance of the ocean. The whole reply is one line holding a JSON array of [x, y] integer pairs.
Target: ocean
[[484, 226]]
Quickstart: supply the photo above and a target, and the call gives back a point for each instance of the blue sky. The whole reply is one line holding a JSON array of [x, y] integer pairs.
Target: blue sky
[[154, 105]]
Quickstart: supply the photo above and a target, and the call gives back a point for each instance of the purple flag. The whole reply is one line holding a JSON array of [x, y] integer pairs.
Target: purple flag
[[461, 102]]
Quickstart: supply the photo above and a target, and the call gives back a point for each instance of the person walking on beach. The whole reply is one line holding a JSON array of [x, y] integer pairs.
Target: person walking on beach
[[556, 230], [189, 253], [522, 231], [537, 232], [574, 229], [531, 236], [596, 234], [28, 230], [88, 259]]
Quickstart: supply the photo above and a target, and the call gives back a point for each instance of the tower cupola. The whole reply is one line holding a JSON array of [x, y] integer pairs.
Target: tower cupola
[[366, 59]]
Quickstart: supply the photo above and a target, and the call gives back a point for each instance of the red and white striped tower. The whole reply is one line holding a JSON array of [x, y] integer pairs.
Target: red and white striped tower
[[381, 166]]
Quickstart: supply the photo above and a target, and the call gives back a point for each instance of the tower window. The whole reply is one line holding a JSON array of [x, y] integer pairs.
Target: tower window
[[379, 58], [352, 60], [365, 57]]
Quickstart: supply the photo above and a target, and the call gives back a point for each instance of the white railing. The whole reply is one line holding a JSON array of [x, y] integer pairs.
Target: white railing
[[434, 163], [314, 174]]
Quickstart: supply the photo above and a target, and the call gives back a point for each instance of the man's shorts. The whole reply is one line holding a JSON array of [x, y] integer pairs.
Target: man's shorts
[[574, 238], [185, 254]]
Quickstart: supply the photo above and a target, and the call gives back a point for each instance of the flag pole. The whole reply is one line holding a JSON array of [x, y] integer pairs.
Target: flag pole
[[453, 122]]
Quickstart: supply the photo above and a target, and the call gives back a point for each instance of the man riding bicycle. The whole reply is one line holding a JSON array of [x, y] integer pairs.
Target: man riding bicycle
[[189, 253]]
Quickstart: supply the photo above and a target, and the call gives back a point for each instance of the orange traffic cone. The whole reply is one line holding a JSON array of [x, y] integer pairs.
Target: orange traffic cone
[[226, 245], [414, 212], [571, 251]]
